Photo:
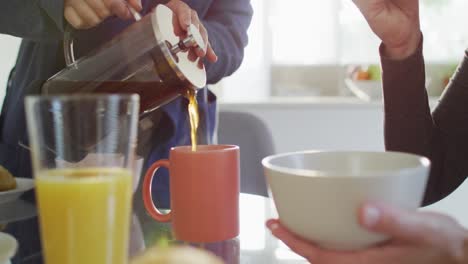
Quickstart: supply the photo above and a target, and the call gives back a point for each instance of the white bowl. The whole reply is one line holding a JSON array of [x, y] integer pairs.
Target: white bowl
[[8, 247], [22, 185], [370, 90], [318, 194], [365, 90]]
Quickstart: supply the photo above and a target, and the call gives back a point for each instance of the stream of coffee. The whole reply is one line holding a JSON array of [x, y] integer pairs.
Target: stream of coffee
[[193, 116]]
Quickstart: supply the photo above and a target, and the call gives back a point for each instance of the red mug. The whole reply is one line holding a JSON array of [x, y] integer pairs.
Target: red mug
[[204, 193]]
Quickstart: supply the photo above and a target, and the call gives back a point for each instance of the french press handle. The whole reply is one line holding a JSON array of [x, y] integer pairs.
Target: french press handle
[[68, 50], [193, 39]]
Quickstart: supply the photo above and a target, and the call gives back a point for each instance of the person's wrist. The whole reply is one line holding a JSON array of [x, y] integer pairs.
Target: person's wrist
[[404, 50], [461, 256], [464, 259]]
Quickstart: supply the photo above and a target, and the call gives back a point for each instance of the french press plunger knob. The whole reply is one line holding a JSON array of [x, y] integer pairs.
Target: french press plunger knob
[[193, 40]]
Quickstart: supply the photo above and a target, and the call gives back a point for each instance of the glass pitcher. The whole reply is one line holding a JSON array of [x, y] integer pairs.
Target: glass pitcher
[[147, 58]]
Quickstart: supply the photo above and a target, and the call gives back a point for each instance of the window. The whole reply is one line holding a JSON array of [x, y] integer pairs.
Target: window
[[308, 32], [304, 31], [444, 26], [302, 47]]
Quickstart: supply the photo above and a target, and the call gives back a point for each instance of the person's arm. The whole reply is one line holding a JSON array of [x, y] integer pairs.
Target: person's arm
[[451, 120], [38, 20], [410, 127], [45, 20], [416, 238], [465, 247], [227, 22]]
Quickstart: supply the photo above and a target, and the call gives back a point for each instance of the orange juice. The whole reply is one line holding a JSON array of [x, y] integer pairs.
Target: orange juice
[[85, 215]]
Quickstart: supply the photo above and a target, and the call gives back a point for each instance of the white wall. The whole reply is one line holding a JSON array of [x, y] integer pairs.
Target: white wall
[[322, 123], [252, 80], [8, 51]]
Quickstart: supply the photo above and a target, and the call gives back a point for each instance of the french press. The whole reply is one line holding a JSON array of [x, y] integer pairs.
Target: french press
[[147, 58]]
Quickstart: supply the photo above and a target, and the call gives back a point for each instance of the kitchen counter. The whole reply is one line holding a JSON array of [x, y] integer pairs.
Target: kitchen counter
[[319, 101], [317, 122], [299, 123]]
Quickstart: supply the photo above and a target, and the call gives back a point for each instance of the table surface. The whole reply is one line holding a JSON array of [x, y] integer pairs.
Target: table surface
[[255, 244]]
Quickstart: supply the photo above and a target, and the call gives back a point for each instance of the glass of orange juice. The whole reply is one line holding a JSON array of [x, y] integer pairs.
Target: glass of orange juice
[[83, 150]]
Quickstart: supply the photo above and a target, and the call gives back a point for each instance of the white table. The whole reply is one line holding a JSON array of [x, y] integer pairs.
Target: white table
[[454, 205]]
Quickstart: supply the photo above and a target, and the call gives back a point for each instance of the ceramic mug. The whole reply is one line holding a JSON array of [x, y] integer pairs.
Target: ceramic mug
[[204, 193]]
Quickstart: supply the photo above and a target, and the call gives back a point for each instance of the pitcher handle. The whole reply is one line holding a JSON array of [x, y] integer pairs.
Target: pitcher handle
[[148, 198], [68, 50]]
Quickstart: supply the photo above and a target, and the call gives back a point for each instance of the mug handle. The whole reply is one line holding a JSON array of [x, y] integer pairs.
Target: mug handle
[[147, 196]]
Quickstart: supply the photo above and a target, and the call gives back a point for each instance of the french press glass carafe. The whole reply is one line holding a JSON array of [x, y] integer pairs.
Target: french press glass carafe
[[147, 58]]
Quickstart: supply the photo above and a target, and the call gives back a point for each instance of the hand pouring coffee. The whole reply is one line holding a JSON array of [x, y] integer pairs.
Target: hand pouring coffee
[[147, 58]]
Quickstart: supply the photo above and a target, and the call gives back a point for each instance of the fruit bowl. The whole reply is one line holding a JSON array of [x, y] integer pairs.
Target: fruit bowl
[[365, 82], [367, 90]]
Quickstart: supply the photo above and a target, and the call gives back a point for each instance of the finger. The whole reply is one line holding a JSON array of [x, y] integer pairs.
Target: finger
[[195, 20], [316, 255], [73, 18], [390, 221], [136, 4], [406, 225], [201, 52], [182, 13], [119, 8], [367, 3], [210, 54], [99, 8], [200, 64], [192, 56], [87, 14], [296, 244], [364, 5], [359, 3], [178, 31]]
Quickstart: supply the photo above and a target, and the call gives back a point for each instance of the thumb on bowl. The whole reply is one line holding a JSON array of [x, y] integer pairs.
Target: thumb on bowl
[[394, 222]]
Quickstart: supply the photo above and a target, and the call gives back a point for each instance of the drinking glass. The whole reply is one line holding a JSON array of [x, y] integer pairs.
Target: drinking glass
[[83, 153]]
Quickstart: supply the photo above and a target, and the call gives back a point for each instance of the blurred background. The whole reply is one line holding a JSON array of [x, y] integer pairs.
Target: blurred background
[[298, 64], [304, 47]]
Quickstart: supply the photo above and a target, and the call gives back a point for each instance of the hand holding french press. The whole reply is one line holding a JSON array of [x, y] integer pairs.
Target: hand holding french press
[[83, 14], [184, 17]]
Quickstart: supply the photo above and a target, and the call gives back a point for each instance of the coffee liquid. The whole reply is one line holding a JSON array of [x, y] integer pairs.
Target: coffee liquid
[[193, 116], [152, 94]]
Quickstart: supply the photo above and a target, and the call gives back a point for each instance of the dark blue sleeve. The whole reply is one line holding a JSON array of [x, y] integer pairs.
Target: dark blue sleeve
[[227, 22], [38, 20]]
